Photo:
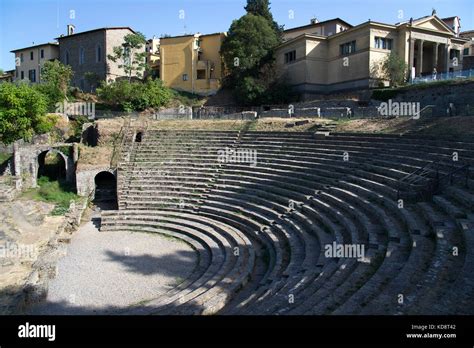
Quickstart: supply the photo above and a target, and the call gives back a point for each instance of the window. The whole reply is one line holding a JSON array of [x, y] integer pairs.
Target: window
[[42, 53], [98, 54], [32, 75], [22, 74], [21, 57], [290, 56], [201, 74], [454, 54], [348, 48], [466, 51], [31, 55], [16, 73], [185, 77], [66, 58], [82, 84], [81, 55], [126, 53], [383, 43]]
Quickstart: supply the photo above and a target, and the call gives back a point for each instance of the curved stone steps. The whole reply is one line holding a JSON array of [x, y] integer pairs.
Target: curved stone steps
[[443, 263], [239, 268], [334, 200]]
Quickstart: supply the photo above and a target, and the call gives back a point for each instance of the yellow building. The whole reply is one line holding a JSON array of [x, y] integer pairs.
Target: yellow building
[[153, 57], [192, 63], [333, 56]]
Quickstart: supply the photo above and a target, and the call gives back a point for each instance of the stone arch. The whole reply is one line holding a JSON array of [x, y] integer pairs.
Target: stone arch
[[105, 189], [60, 171], [138, 137]]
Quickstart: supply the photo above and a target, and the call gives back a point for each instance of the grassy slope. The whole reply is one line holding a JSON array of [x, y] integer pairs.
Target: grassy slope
[[4, 157], [52, 192]]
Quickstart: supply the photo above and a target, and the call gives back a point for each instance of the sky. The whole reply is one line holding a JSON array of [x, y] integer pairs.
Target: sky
[[27, 22]]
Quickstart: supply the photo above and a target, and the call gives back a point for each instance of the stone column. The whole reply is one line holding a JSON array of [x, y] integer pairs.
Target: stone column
[[411, 58], [16, 160], [419, 68], [435, 58], [446, 62]]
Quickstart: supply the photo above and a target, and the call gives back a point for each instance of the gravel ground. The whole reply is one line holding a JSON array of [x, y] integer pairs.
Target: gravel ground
[[105, 271]]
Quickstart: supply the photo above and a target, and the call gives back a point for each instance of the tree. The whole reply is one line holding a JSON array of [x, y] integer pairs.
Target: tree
[[248, 46], [248, 54], [22, 112], [394, 68], [56, 78], [262, 8], [131, 55]]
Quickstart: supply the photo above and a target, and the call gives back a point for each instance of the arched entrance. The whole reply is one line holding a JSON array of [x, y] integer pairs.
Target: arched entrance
[[138, 137], [52, 164], [105, 195]]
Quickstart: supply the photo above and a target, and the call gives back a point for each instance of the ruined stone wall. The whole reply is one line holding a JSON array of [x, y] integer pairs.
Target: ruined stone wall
[[460, 95], [85, 183], [26, 163]]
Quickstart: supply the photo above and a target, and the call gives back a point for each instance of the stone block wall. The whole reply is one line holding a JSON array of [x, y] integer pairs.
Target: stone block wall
[[85, 183], [26, 165], [460, 95]]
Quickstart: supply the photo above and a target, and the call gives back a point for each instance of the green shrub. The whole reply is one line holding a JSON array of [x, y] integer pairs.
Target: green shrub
[[22, 110], [76, 126], [45, 123], [130, 96], [53, 191], [56, 78], [186, 98]]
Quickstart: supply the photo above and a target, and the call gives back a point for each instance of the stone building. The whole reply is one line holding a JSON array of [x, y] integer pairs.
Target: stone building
[[334, 56], [86, 52]]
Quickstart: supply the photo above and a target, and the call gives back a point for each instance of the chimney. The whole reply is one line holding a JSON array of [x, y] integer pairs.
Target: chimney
[[70, 29]]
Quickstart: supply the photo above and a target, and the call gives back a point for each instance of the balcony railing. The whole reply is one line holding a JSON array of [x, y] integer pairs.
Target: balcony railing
[[461, 75]]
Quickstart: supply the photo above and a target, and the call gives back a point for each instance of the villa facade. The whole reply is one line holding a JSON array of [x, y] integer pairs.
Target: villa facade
[[315, 60]]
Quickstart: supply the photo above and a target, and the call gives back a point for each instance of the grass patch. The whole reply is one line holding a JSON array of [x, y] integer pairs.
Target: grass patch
[[56, 192], [4, 157], [389, 93], [186, 98]]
